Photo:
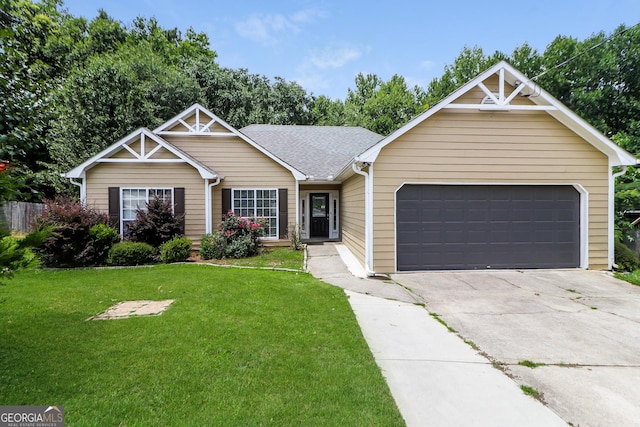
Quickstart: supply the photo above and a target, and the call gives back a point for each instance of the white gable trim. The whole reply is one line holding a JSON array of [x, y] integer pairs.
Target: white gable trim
[[143, 157], [543, 100], [203, 130]]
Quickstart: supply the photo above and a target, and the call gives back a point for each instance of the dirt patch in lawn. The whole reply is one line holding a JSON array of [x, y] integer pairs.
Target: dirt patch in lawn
[[127, 309]]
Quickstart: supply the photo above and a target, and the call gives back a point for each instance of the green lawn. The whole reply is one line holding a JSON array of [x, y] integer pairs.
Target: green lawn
[[237, 348], [632, 277], [273, 257]]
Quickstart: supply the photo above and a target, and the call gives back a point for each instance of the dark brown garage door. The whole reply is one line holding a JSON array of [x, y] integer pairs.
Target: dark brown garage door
[[453, 227]]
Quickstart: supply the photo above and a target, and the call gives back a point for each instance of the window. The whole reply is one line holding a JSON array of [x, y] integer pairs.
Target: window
[[258, 203], [137, 198]]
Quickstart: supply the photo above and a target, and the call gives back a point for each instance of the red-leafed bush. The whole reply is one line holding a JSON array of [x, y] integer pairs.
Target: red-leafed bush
[[156, 224], [80, 235]]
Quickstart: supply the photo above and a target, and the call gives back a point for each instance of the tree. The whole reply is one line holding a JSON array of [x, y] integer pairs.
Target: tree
[[328, 112], [391, 106], [112, 96], [24, 82], [381, 106]]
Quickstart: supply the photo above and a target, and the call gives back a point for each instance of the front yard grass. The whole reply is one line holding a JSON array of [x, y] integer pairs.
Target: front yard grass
[[272, 257], [236, 348], [633, 277]]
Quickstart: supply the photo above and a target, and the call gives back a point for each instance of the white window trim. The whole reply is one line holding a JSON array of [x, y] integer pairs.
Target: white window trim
[[254, 189], [146, 189]]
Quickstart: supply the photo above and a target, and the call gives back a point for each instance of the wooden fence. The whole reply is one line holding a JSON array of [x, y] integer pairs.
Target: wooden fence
[[19, 216]]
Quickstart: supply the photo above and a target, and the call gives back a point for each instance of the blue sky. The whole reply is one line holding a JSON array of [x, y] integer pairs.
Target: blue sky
[[324, 44]]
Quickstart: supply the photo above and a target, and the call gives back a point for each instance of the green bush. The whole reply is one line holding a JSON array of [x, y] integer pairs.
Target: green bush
[[237, 237], [131, 253], [16, 253], [212, 246], [626, 258], [177, 249], [101, 238], [12, 256]]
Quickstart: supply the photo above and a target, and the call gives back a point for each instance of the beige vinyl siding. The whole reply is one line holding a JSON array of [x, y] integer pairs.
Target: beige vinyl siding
[[165, 175], [489, 147], [241, 165], [352, 216]]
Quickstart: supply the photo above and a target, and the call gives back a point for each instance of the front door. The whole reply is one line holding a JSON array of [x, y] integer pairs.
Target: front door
[[319, 215]]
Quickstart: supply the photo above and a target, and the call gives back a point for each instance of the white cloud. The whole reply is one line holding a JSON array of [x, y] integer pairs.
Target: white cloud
[[263, 28], [266, 29], [335, 56]]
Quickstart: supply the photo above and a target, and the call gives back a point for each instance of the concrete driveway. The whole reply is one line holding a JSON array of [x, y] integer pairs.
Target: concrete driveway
[[582, 326]]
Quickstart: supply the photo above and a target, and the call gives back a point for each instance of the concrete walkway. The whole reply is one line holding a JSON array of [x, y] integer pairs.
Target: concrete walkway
[[435, 378]]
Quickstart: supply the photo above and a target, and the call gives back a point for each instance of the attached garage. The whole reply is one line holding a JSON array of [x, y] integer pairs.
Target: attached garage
[[497, 175], [449, 227]]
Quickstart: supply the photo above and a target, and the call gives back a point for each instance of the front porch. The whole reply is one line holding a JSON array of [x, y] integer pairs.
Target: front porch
[[319, 213]]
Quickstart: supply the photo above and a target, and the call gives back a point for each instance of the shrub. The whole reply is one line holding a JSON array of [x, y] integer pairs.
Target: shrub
[[296, 238], [70, 243], [16, 253], [177, 249], [212, 246], [102, 238], [131, 253], [236, 237], [626, 258], [155, 225]]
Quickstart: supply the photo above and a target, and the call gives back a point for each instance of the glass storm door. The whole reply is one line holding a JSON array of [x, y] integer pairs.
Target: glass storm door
[[319, 215]]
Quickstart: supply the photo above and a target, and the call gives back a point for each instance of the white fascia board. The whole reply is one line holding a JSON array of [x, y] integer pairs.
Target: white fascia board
[[371, 154], [79, 171], [617, 155], [174, 120], [296, 173]]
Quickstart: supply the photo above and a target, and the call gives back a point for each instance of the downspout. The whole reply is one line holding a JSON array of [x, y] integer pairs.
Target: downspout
[[297, 223], [368, 216], [207, 200], [83, 190], [612, 185]]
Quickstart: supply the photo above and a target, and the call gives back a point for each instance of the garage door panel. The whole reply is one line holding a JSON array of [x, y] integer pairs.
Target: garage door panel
[[484, 226]]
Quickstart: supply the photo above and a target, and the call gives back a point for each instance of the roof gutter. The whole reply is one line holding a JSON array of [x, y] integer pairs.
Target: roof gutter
[[83, 189], [368, 214]]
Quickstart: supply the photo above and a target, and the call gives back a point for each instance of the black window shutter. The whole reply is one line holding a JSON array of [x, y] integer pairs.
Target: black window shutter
[[114, 207], [283, 203], [226, 201], [178, 206]]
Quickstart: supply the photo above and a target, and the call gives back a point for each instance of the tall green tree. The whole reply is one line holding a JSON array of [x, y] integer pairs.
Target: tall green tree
[[112, 96], [25, 109], [381, 106], [328, 112]]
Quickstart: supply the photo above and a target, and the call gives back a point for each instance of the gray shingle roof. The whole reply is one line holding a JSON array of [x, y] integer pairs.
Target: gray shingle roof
[[317, 151]]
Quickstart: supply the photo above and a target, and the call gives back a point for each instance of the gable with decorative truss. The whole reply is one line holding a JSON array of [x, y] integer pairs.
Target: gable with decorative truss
[[142, 146], [503, 88], [196, 120]]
